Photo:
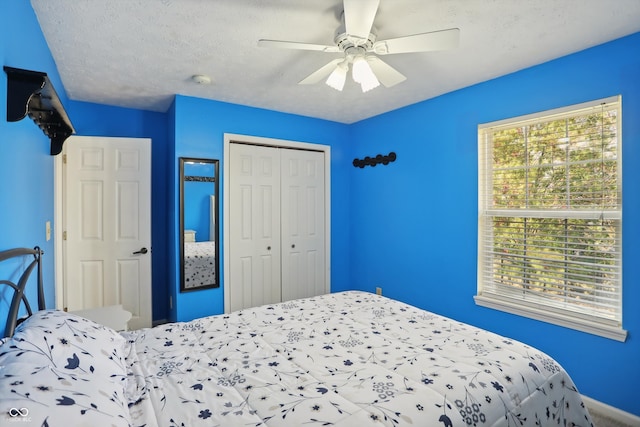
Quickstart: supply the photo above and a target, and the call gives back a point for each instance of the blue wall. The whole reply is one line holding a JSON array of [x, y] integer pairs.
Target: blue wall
[[414, 222], [26, 168], [200, 126], [409, 227]]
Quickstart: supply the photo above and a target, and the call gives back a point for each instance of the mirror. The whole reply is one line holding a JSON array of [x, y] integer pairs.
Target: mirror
[[199, 248]]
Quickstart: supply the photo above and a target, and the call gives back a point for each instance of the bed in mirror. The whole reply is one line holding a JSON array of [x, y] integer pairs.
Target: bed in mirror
[[199, 248]]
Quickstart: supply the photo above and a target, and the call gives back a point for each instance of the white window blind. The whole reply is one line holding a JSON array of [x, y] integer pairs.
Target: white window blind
[[550, 216]]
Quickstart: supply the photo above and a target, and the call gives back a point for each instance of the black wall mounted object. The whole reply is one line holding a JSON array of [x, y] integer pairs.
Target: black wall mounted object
[[31, 93], [372, 161]]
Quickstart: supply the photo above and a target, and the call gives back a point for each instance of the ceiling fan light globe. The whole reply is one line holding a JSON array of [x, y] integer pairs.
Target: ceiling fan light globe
[[360, 69], [337, 78], [366, 86], [363, 74]]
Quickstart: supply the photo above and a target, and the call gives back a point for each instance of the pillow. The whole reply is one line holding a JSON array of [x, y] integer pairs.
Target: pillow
[[60, 368], [67, 341], [47, 396]]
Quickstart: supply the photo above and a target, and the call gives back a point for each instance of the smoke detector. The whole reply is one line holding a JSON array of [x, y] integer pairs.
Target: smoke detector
[[201, 79]]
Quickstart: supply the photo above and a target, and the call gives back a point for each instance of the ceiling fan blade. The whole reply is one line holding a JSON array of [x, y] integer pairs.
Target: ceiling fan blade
[[281, 44], [322, 73], [425, 42], [386, 74], [358, 17]]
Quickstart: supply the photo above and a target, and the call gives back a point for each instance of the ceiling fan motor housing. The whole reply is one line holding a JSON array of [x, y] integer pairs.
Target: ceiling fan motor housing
[[345, 42]]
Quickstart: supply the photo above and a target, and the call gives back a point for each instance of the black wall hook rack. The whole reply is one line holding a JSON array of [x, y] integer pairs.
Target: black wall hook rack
[[372, 161], [31, 93]]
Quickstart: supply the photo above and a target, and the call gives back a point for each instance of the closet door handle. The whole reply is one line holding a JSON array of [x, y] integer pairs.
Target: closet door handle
[[268, 248], [293, 246], [141, 251]]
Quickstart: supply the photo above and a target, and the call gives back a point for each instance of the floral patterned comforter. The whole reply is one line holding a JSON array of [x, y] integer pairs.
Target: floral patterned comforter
[[343, 359], [351, 359]]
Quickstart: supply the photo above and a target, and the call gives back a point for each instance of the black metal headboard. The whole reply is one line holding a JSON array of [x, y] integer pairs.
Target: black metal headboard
[[18, 295]]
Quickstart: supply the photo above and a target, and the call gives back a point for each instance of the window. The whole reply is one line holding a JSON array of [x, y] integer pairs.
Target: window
[[550, 217]]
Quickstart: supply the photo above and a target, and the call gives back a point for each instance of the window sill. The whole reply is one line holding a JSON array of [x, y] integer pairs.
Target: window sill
[[595, 328]]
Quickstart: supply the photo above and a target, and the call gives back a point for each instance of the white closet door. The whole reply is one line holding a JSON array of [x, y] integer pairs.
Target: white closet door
[[254, 226], [303, 224]]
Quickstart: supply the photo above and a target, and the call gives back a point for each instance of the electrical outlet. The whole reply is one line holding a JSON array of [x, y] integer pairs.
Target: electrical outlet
[[47, 227], [378, 291]]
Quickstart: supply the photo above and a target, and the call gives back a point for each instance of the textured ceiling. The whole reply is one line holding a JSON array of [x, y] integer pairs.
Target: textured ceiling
[[140, 53]]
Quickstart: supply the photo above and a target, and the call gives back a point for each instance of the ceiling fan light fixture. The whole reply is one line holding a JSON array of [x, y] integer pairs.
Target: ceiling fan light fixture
[[367, 85], [356, 38], [363, 74], [338, 77]]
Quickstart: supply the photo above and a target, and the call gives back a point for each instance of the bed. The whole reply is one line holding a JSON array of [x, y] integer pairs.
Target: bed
[[342, 359]]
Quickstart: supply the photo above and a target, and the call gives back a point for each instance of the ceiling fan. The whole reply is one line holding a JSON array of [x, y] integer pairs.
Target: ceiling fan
[[357, 40]]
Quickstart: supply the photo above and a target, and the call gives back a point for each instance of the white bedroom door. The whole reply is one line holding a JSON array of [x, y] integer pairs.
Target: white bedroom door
[[107, 225], [303, 223], [254, 226]]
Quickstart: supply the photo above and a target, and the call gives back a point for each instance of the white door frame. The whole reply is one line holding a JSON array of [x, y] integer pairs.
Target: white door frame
[[58, 203], [230, 138]]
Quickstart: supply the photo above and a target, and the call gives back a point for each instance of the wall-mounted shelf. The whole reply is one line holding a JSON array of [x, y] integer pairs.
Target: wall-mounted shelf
[[31, 93]]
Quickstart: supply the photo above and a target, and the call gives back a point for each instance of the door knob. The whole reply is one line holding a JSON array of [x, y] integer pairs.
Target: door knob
[[141, 251]]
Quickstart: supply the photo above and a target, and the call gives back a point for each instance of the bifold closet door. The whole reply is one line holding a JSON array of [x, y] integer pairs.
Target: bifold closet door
[[255, 226], [276, 225], [302, 223]]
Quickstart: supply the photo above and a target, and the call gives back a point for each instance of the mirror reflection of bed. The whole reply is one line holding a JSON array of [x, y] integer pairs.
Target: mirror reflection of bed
[[199, 242], [199, 260]]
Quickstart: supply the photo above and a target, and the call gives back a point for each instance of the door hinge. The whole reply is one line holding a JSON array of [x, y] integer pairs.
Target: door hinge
[[64, 159], [64, 235]]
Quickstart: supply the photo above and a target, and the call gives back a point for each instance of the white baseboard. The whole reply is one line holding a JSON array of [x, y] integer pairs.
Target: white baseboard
[[611, 411]]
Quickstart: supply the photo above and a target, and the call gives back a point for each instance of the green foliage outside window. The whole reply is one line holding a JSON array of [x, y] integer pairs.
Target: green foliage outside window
[[557, 182]]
